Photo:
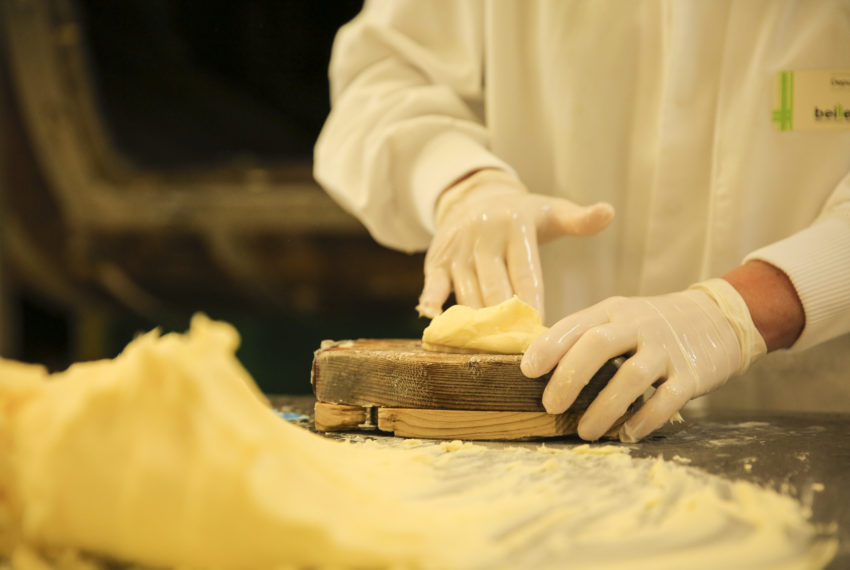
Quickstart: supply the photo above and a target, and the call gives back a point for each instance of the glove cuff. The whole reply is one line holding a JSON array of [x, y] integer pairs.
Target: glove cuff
[[736, 312], [457, 192]]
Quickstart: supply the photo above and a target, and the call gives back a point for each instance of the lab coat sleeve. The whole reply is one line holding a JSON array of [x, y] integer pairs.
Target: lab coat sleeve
[[817, 261], [405, 121]]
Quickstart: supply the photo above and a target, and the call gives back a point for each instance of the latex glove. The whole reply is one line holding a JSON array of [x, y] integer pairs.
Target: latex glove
[[686, 343], [485, 246]]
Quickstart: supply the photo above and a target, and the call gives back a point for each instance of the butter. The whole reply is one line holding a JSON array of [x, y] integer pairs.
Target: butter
[[507, 328], [169, 457]]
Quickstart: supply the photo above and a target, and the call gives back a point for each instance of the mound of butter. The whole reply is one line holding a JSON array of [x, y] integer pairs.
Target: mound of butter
[[506, 328]]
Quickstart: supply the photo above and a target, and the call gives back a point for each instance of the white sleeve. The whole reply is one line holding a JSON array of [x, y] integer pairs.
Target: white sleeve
[[817, 261], [406, 92]]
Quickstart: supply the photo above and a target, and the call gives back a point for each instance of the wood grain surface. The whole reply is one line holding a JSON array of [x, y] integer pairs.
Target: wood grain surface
[[479, 425], [397, 386], [340, 417], [399, 373]]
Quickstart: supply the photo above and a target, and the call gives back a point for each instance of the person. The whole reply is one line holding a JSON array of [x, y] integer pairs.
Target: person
[[504, 136]]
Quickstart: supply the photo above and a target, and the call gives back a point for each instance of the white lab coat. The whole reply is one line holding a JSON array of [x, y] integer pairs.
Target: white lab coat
[[662, 108]]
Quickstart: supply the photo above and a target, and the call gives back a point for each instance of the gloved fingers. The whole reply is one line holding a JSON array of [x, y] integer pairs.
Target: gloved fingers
[[465, 281], [668, 399], [583, 360], [435, 291], [524, 266], [634, 377], [561, 217], [549, 348], [489, 258], [493, 279]]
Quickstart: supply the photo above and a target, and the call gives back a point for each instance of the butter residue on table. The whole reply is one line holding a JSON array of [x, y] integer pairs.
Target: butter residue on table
[[507, 328], [168, 456]]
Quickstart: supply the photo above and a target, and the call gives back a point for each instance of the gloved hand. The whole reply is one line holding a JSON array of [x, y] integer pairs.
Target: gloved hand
[[485, 246], [690, 342]]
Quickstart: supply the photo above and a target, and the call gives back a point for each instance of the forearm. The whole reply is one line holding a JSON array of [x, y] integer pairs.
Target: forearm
[[774, 305]]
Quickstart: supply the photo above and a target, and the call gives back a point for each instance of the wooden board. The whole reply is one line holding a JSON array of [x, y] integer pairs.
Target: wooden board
[[399, 373], [340, 417], [478, 425], [397, 386]]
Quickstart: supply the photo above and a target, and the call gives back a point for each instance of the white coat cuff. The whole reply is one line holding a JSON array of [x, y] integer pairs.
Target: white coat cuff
[[817, 261], [444, 160]]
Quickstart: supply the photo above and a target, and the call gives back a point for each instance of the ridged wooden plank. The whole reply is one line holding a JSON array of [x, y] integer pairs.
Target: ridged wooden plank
[[400, 373]]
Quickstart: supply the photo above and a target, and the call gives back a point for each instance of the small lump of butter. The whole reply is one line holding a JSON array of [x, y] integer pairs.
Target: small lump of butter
[[506, 328]]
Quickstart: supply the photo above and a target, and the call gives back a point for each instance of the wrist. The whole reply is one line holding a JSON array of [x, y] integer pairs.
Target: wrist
[[772, 300], [463, 188], [736, 314]]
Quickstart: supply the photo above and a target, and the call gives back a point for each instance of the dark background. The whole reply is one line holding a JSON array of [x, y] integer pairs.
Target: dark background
[[193, 83], [186, 86]]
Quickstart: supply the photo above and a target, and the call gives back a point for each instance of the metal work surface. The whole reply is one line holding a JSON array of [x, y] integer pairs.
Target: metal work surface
[[804, 455]]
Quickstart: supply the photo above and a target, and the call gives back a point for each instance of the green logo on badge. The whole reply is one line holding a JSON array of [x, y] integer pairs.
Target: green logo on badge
[[784, 115]]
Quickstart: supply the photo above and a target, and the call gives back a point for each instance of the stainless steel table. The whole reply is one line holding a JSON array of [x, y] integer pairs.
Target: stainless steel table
[[797, 453], [803, 454]]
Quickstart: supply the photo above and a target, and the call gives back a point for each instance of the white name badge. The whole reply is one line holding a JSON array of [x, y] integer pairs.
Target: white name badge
[[812, 100]]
